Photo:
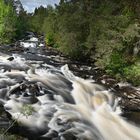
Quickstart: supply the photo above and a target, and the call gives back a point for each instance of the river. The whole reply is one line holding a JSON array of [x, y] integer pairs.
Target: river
[[46, 96]]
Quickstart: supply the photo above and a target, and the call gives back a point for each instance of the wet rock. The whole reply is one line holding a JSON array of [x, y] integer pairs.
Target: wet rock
[[130, 96], [10, 58]]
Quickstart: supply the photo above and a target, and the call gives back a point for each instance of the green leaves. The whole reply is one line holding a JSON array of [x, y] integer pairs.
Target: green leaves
[[27, 110], [50, 39], [132, 73], [8, 20], [105, 32]]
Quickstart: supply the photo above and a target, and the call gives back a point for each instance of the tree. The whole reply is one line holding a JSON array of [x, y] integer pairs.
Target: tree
[[104, 31], [8, 20]]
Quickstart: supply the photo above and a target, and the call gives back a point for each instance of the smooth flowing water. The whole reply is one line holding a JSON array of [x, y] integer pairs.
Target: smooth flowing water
[[47, 101]]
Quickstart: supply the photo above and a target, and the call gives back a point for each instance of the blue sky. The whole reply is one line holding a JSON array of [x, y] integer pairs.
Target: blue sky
[[29, 5]]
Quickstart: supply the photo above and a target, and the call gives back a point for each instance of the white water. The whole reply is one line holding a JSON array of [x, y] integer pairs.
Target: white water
[[65, 106]]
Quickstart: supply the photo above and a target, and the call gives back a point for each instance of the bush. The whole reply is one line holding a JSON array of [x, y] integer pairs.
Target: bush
[[8, 20], [116, 64], [71, 47], [50, 41], [132, 73]]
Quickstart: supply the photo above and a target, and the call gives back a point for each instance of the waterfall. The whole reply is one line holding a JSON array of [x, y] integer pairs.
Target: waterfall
[[52, 103]]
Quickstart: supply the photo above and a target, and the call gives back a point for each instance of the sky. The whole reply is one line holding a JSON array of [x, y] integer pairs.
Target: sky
[[30, 5]]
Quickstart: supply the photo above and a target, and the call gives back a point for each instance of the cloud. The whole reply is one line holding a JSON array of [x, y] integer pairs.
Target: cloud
[[30, 5]]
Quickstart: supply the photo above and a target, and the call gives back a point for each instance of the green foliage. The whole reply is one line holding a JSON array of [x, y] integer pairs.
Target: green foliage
[[122, 61], [105, 32], [21, 24], [116, 64], [27, 110], [8, 21], [50, 39], [11, 137], [131, 36], [132, 73], [12, 26], [36, 21]]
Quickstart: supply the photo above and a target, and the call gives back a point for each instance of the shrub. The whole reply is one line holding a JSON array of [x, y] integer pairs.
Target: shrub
[[116, 64], [8, 20], [132, 73], [50, 41]]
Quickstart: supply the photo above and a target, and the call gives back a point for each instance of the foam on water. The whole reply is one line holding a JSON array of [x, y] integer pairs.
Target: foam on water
[[54, 103], [28, 45]]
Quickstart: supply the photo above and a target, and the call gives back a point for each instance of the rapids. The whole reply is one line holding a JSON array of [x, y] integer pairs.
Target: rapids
[[49, 102]]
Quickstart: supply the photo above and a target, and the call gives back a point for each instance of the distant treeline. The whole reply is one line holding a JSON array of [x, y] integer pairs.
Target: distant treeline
[[106, 32]]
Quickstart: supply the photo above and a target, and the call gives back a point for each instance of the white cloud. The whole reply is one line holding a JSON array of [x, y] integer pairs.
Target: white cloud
[[30, 5]]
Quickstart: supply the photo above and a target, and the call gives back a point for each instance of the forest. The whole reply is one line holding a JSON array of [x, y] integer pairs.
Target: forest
[[104, 32], [70, 71]]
